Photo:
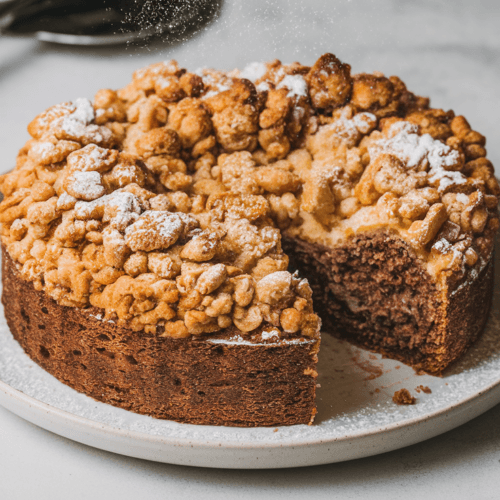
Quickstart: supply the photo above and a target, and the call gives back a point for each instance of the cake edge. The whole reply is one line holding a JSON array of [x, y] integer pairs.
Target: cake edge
[[190, 380]]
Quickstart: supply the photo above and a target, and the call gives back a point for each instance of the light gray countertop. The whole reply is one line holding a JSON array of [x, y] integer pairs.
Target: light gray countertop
[[461, 464], [448, 50]]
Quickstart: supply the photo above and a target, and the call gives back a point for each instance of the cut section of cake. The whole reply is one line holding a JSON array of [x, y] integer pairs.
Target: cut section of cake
[[147, 235], [408, 255]]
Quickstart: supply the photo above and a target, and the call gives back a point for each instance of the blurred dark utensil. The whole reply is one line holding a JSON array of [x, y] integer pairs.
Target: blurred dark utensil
[[98, 22]]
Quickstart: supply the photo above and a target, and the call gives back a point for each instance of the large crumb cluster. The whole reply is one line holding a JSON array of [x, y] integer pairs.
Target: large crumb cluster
[[163, 203]]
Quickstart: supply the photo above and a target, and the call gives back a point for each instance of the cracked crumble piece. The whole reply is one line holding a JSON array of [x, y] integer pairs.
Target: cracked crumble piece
[[403, 397]]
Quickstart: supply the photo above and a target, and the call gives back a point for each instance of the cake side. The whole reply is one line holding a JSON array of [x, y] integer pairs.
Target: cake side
[[467, 305], [222, 380], [373, 290]]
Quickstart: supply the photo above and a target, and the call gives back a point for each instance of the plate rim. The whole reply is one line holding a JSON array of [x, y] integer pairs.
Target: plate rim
[[233, 443]]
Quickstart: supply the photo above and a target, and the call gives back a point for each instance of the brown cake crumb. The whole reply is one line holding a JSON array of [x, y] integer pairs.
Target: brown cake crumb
[[424, 389], [403, 397]]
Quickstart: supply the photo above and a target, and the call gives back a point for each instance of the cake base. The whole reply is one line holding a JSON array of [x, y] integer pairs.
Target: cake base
[[211, 381], [372, 291]]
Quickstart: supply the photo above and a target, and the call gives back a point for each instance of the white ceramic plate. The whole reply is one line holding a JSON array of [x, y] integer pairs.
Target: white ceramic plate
[[356, 418]]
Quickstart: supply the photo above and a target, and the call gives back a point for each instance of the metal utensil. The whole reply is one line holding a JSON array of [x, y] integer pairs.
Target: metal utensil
[[100, 22]]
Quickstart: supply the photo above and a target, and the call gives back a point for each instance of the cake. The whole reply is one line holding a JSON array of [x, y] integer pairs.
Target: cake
[[163, 244]]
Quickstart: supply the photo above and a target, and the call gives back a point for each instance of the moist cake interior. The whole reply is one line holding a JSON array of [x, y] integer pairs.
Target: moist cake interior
[[371, 290]]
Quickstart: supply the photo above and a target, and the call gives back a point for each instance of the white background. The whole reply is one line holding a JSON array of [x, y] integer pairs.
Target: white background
[[448, 50]]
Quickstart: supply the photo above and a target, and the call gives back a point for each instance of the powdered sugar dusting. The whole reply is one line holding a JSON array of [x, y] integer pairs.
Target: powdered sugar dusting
[[414, 150], [274, 335], [65, 199], [445, 178], [156, 229], [350, 129], [444, 246], [53, 114], [277, 279], [170, 66], [296, 84], [250, 240], [91, 157], [215, 81], [253, 71], [462, 198], [118, 207], [164, 83], [83, 115], [79, 123], [87, 184], [42, 149], [262, 87], [165, 223]]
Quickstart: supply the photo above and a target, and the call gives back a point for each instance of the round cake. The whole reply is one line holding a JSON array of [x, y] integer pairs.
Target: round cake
[[162, 245]]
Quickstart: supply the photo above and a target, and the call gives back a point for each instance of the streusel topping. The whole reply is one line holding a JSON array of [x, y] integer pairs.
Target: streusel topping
[[163, 203]]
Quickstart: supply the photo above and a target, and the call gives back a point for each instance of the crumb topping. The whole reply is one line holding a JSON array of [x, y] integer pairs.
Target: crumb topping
[[163, 203], [403, 397]]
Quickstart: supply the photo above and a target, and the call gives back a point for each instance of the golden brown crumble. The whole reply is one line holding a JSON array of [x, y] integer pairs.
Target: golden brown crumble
[[163, 203], [403, 397], [424, 389]]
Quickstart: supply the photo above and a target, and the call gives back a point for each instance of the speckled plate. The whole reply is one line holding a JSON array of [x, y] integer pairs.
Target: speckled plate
[[356, 418]]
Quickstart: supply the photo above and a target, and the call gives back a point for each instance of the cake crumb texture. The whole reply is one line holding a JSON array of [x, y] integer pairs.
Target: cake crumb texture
[[403, 397], [373, 290], [424, 389]]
